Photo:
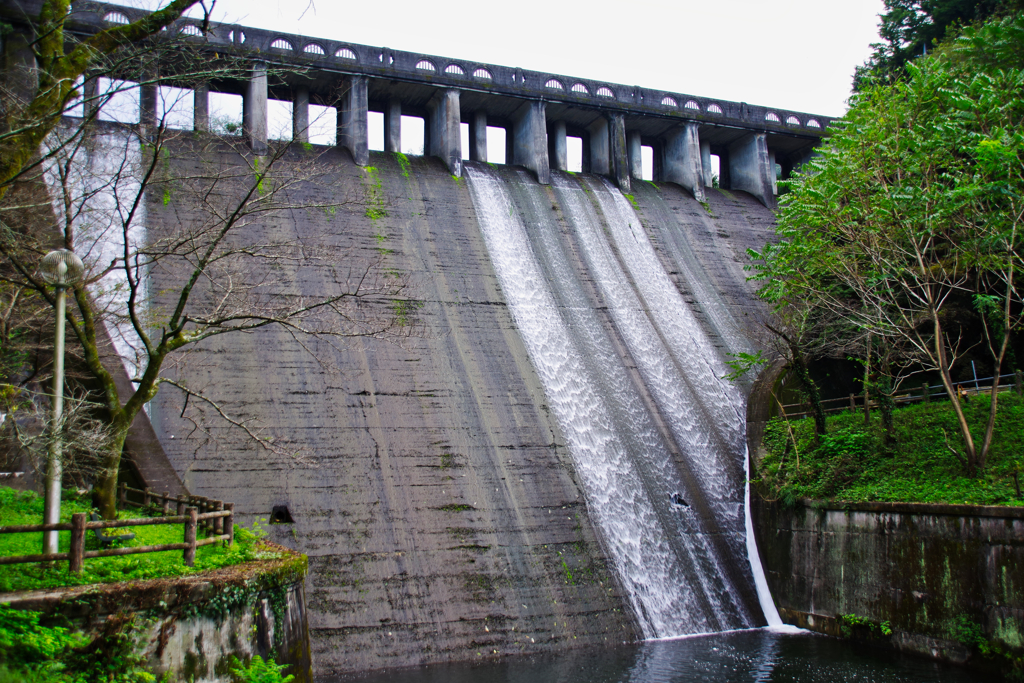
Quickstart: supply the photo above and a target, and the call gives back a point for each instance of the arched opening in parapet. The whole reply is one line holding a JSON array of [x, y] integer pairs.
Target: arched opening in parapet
[[175, 107], [225, 113], [413, 138], [119, 100], [647, 162], [375, 130], [323, 125], [574, 154], [464, 136], [279, 119], [496, 145]]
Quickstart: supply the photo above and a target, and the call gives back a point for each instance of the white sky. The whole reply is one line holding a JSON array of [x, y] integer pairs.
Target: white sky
[[791, 54]]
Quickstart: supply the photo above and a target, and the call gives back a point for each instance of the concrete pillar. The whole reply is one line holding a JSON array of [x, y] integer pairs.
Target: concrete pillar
[[619, 153], [478, 136], [90, 96], [558, 151], [393, 126], [148, 91], [531, 140], [510, 145], [771, 172], [201, 107], [300, 114], [352, 119], [705, 163], [683, 162], [636, 157], [749, 168], [600, 150], [445, 131], [254, 109]]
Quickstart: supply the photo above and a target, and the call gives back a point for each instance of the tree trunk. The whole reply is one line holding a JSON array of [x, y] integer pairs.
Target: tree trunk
[[106, 487], [813, 395]]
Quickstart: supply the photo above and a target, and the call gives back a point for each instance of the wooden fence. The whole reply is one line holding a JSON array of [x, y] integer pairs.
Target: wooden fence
[[218, 518], [925, 393]]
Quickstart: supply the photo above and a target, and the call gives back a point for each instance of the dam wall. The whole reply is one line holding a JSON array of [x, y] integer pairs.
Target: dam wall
[[427, 474]]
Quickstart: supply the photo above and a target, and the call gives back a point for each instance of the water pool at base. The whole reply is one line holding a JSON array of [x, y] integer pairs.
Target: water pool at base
[[760, 656]]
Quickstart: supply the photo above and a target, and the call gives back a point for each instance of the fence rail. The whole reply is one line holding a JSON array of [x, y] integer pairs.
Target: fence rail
[[926, 394], [218, 518]]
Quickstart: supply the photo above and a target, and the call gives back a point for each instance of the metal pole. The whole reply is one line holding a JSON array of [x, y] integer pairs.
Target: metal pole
[[975, 373], [54, 472]]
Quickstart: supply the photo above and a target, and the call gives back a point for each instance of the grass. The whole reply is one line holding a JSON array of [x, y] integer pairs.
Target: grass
[[26, 507], [852, 462]]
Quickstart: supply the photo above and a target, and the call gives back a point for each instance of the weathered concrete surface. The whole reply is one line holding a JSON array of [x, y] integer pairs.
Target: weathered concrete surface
[[932, 571], [530, 148], [683, 163], [193, 627], [751, 169], [435, 496]]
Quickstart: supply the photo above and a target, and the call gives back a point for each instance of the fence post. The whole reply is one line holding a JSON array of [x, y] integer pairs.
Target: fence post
[[180, 507], [167, 503], [1018, 382], [190, 537], [229, 523], [146, 496], [853, 403], [926, 392], [123, 495], [218, 524], [77, 542]]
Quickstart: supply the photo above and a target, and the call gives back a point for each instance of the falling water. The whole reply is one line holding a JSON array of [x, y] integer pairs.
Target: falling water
[[635, 384]]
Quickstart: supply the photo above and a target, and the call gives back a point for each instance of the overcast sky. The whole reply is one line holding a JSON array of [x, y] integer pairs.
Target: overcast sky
[[791, 54]]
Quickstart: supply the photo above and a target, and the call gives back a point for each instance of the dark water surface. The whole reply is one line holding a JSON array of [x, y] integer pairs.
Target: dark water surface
[[748, 656]]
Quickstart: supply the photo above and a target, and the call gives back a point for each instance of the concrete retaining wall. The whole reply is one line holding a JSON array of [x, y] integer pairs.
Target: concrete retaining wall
[[942, 576], [194, 627]]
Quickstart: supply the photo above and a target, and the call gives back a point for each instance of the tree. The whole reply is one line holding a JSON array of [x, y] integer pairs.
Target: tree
[[915, 207], [910, 28], [221, 255]]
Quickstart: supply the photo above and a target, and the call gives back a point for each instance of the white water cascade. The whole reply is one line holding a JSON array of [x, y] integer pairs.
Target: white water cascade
[[657, 437]]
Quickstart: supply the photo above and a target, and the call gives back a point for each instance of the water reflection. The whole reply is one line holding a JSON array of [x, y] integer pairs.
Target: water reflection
[[758, 656]]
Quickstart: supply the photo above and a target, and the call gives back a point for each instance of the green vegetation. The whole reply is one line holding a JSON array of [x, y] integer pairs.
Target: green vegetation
[[854, 463], [25, 507], [902, 246], [847, 623], [403, 163], [259, 671]]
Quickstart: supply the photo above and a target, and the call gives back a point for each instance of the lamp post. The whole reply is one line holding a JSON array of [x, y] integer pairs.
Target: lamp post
[[62, 269]]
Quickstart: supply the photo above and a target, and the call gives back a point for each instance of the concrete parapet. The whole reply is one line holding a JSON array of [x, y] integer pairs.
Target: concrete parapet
[[300, 114], [558, 152], [750, 168], [636, 162], [530, 147], [445, 138], [352, 120], [254, 109], [393, 126], [478, 137], [683, 164]]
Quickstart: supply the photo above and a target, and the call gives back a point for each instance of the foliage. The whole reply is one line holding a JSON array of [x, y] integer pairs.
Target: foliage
[[913, 211], [25, 507], [33, 651], [909, 28], [847, 622], [259, 671], [854, 463]]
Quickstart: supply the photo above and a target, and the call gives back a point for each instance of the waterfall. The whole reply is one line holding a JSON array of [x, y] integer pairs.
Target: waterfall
[[656, 436]]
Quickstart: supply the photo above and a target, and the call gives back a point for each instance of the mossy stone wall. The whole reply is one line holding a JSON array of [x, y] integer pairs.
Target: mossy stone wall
[[946, 581]]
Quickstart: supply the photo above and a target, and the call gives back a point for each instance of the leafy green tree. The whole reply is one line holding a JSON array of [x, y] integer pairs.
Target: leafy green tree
[[910, 28], [916, 203]]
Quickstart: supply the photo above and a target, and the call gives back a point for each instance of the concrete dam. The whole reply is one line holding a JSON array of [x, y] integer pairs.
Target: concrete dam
[[550, 461], [544, 454]]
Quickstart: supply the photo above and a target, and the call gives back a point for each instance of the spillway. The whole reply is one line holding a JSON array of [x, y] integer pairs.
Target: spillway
[[543, 457]]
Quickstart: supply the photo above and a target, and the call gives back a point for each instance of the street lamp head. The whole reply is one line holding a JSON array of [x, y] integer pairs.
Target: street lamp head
[[61, 268]]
